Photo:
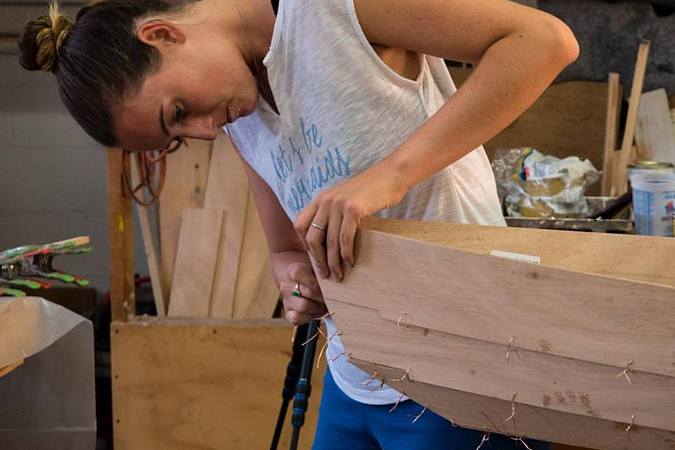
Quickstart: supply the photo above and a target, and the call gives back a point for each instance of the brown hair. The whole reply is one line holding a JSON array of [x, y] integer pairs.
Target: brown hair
[[97, 60]]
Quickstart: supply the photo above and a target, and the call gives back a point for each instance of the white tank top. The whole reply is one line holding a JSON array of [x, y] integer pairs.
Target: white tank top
[[342, 109]]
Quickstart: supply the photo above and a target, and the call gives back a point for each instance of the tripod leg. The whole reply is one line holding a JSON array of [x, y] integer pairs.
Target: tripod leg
[[304, 388], [291, 380]]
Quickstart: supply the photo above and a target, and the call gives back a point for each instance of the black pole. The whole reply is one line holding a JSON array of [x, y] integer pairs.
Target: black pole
[[291, 381], [304, 388]]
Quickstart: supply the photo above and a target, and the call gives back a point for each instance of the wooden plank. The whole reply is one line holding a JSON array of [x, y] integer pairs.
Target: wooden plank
[[195, 262], [611, 130], [203, 384], [255, 283], [539, 378], [244, 285], [149, 248], [654, 129], [631, 119], [265, 300], [186, 178], [580, 252], [584, 316], [120, 238], [486, 413], [228, 190]]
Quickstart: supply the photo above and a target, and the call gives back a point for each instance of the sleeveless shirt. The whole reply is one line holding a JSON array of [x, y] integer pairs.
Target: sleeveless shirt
[[340, 110]]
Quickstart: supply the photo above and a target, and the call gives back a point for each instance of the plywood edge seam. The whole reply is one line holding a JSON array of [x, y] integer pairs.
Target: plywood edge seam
[[401, 321], [409, 377], [403, 228], [150, 321]]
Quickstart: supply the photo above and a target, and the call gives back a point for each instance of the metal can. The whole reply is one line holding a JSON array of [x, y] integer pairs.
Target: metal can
[[639, 167]]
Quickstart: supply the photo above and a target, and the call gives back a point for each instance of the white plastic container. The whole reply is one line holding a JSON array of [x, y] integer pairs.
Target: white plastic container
[[653, 203]]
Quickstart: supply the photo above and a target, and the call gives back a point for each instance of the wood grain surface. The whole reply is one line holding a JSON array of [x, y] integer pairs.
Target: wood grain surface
[[590, 336], [203, 384], [486, 413], [196, 262], [184, 187], [654, 129]]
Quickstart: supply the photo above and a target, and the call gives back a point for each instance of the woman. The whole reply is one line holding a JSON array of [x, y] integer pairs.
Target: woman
[[339, 110]]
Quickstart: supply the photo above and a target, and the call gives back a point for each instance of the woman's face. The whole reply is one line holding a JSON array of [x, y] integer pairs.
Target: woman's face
[[201, 85]]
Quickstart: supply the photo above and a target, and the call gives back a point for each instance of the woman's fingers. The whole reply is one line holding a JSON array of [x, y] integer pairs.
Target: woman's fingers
[[334, 258], [315, 238], [328, 228], [301, 310], [308, 291], [308, 285], [350, 223], [304, 220], [304, 306], [295, 318], [301, 294]]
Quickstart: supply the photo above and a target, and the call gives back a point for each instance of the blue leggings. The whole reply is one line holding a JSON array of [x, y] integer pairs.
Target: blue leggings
[[350, 425]]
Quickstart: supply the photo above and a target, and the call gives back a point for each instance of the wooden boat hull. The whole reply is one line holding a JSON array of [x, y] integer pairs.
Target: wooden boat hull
[[579, 357]]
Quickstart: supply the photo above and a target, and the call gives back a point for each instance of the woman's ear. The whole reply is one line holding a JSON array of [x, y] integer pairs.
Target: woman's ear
[[160, 34]]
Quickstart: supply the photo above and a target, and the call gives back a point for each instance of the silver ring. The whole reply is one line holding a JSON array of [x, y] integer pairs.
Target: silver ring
[[318, 227], [296, 290]]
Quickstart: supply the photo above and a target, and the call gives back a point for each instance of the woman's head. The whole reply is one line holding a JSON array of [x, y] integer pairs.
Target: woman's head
[[133, 75]]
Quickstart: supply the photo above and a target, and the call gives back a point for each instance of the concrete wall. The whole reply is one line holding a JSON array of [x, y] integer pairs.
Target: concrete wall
[[52, 175]]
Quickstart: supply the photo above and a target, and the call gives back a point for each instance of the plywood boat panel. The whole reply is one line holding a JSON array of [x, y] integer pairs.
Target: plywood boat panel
[[637, 258], [539, 378], [581, 315], [486, 413], [447, 314]]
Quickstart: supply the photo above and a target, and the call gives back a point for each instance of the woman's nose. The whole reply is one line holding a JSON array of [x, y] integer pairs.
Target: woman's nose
[[201, 128]]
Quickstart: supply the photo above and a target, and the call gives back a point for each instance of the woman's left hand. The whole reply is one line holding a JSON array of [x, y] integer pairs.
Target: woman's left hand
[[328, 225]]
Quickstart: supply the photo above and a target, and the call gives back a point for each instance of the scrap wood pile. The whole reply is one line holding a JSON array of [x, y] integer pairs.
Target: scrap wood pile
[[649, 132], [213, 258], [584, 119]]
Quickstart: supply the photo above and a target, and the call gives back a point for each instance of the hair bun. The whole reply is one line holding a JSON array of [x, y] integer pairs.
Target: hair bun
[[42, 38]]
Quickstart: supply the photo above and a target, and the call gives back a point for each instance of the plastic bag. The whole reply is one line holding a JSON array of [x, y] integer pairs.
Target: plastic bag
[[532, 184]]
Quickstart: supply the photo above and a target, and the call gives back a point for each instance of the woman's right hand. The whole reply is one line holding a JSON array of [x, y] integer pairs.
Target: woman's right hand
[[293, 270]]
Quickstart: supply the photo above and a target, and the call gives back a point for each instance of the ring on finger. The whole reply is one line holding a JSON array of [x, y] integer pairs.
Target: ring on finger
[[318, 227], [296, 290]]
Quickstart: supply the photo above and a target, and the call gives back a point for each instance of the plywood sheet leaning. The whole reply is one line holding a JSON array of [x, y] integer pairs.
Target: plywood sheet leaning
[[228, 190], [653, 131], [244, 286], [184, 187], [583, 341], [257, 293], [195, 262]]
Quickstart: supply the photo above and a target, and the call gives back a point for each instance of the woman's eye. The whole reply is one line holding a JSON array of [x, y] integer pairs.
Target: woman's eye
[[178, 113]]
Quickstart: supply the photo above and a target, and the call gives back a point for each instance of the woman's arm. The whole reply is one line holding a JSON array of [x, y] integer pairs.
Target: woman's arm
[[518, 52], [290, 262]]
